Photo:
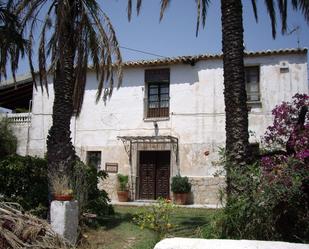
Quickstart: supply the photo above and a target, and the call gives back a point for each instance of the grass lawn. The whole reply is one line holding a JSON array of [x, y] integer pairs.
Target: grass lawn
[[118, 231]]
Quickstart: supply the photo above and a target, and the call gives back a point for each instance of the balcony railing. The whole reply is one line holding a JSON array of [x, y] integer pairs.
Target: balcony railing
[[19, 118], [253, 96], [151, 112]]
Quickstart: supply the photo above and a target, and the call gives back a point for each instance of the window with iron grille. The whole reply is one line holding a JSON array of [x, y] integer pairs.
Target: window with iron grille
[[157, 98], [252, 78]]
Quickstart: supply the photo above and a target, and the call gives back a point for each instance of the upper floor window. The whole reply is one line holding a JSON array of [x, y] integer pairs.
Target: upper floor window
[[252, 79], [157, 96]]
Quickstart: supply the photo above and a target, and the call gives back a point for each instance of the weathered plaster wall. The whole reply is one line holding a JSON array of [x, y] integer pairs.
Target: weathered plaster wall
[[20, 125], [196, 116], [21, 133]]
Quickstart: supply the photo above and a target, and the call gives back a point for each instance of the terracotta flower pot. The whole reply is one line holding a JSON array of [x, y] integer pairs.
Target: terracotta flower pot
[[180, 198], [59, 197], [123, 196]]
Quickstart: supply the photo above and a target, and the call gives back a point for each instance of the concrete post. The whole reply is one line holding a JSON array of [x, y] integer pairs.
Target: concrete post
[[64, 219]]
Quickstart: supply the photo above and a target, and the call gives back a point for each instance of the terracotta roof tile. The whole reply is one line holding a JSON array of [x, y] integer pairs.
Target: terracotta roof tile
[[195, 58]]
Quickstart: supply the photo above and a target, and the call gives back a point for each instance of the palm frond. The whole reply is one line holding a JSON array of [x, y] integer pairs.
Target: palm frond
[[303, 5], [42, 55], [272, 15], [253, 2], [138, 6], [102, 46], [12, 43], [198, 8], [282, 4], [201, 6], [30, 53], [164, 5], [129, 9]]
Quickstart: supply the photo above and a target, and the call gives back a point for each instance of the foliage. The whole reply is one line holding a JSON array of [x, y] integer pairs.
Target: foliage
[[285, 126], [203, 5], [72, 34], [12, 44], [85, 185], [270, 198], [60, 184], [24, 180], [90, 35], [157, 217], [276, 209], [180, 184], [123, 181], [8, 141]]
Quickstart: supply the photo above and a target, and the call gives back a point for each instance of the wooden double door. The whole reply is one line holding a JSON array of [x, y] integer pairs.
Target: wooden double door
[[154, 174]]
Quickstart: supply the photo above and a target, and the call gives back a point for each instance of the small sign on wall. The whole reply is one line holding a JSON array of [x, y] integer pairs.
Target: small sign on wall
[[111, 167]]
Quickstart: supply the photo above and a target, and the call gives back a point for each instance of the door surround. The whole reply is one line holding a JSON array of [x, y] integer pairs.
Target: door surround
[[134, 144]]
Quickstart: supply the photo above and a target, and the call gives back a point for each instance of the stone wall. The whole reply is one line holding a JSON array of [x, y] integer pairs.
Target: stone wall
[[110, 186], [206, 190]]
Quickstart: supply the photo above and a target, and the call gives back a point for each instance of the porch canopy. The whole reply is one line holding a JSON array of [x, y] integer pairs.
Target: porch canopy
[[149, 141]]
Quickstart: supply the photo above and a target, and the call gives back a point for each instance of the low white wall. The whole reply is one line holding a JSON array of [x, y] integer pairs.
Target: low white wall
[[20, 124], [182, 243]]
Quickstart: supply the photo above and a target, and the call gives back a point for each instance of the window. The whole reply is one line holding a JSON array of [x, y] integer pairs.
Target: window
[[252, 79], [94, 159], [157, 97]]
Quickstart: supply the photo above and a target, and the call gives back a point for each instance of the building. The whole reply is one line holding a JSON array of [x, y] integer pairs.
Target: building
[[166, 118]]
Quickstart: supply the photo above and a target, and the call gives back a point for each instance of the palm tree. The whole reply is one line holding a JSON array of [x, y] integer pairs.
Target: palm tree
[[236, 124], [73, 33], [12, 44]]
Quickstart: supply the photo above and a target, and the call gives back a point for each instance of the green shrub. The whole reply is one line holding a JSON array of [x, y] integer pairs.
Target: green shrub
[[123, 181], [180, 184], [8, 141], [265, 207], [85, 184], [157, 217], [24, 180]]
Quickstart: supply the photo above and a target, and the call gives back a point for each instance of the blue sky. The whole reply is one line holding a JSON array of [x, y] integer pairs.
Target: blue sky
[[175, 35]]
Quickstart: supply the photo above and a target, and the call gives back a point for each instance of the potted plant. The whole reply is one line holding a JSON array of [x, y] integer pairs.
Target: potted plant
[[123, 192], [181, 187], [61, 190]]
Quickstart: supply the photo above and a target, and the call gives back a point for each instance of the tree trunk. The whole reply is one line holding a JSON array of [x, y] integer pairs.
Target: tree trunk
[[235, 97], [60, 150]]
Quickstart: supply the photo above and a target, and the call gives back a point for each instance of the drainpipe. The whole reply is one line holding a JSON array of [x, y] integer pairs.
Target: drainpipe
[[29, 123]]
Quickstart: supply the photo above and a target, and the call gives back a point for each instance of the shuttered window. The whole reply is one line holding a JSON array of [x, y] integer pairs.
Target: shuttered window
[[252, 78], [157, 99]]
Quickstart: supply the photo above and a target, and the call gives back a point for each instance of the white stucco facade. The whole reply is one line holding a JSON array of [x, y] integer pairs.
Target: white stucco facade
[[196, 116]]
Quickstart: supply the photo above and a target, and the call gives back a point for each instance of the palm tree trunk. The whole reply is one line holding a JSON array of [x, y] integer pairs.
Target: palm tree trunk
[[60, 150], [236, 124]]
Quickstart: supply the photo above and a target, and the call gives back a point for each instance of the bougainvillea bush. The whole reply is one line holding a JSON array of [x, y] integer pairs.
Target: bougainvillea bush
[[272, 200], [285, 171], [288, 132]]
